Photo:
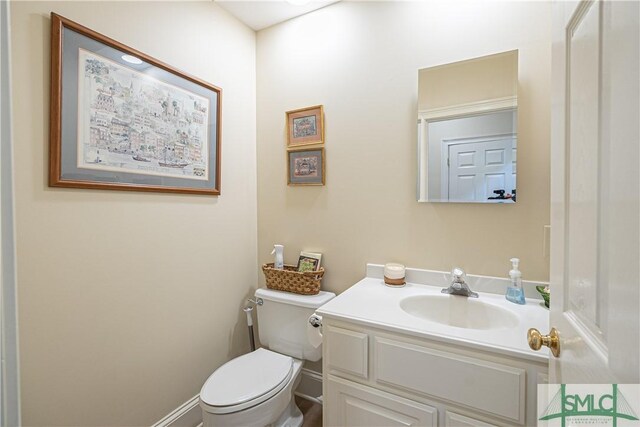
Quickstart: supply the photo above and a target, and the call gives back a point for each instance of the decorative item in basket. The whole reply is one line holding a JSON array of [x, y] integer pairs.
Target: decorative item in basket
[[290, 279], [309, 261]]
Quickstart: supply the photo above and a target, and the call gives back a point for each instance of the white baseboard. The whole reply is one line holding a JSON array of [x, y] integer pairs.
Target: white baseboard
[[310, 387], [188, 414]]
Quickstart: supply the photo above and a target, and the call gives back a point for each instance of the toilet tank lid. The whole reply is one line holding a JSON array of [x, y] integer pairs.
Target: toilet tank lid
[[309, 301]]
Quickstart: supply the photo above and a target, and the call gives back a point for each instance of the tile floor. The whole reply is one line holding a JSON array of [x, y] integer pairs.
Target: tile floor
[[312, 412]]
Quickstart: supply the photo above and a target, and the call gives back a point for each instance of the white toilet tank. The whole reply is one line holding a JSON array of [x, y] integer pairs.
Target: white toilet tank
[[282, 322]]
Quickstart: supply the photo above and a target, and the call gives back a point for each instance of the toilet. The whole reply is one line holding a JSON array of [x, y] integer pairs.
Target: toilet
[[257, 389]]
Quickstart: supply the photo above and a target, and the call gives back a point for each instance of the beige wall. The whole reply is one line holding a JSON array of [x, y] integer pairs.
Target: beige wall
[[361, 60], [478, 79], [128, 301]]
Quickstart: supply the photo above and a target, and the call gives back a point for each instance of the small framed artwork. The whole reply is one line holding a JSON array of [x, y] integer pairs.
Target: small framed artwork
[[306, 167], [122, 120], [305, 126], [309, 261]]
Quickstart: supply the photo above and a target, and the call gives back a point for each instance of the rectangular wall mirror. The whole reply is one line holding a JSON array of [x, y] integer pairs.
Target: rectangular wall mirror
[[467, 130]]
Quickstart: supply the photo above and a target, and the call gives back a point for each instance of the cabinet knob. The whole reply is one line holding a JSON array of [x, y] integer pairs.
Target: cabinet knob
[[537, 340]]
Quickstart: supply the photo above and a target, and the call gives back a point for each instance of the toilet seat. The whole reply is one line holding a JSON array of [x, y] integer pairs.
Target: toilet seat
[[246, 381]]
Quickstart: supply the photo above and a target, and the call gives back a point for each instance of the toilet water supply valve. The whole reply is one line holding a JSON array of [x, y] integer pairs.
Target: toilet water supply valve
[[248, 310]]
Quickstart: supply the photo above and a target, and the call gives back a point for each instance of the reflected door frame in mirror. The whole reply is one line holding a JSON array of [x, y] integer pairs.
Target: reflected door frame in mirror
[[427, 118]]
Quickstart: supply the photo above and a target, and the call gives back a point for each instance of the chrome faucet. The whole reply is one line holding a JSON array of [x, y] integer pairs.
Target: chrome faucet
[[458, 285]]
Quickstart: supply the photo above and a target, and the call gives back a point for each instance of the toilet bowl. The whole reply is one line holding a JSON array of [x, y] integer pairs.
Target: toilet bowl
[[257, 389], [253, 390]]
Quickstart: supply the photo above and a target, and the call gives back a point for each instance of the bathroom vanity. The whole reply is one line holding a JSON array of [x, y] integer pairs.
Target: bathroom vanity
[[414, 356]]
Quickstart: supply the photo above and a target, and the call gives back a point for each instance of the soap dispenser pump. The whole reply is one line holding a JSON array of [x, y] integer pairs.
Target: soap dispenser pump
[[515, 293], [278, 261]]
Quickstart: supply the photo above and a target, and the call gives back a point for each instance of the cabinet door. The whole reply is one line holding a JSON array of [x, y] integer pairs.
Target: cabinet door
[[451, 419], [346, 352], [353, 405]]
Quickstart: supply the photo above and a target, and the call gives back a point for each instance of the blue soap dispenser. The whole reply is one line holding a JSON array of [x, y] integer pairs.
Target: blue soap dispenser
[[515, 293]]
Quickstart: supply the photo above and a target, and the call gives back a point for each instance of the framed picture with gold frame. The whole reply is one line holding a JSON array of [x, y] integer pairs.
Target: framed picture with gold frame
[[122, 120], [306, 166], [305, 126]]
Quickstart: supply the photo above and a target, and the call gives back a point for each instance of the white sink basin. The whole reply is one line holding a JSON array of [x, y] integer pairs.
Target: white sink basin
[[459, 312]]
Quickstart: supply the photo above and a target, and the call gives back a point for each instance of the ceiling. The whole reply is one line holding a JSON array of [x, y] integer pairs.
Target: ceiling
[[263, 14]]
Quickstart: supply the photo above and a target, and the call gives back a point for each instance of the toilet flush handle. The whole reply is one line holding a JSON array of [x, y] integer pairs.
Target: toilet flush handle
[[257, 301]]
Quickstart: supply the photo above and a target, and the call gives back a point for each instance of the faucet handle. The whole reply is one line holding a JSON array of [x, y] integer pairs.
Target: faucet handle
[[458, 274]]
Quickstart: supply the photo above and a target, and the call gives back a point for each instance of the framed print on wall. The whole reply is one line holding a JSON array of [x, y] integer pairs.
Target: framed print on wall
[[306, 166], [305, 126], [122, 120]]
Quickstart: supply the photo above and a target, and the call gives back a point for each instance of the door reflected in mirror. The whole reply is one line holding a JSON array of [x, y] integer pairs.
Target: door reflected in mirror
[[467, 130]]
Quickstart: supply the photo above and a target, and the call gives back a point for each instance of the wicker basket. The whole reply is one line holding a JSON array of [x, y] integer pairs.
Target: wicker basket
[[291, 280]]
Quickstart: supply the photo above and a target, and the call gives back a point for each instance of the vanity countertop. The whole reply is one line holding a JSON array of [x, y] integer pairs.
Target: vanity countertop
[[369, 302]]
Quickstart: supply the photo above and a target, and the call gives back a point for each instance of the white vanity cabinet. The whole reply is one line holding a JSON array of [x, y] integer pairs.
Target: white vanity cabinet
[[376, 377]]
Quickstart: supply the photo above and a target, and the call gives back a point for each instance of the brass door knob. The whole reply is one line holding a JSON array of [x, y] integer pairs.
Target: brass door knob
[[537, 340]]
